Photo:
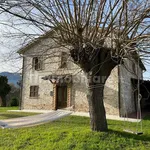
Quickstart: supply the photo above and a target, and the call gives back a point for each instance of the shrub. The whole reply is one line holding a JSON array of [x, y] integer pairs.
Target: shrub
[[14, 102]]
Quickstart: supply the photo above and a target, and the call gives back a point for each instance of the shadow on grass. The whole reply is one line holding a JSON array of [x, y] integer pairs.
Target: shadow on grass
[[74, 120], [7, 116], [131, 136], [14, 115], [146, 117]]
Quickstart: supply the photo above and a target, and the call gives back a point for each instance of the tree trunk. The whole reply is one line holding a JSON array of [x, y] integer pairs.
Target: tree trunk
[[95, 98], [3, 101], [97, 65]]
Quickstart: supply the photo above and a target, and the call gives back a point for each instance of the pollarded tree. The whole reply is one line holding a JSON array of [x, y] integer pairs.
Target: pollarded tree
[[100, 33]]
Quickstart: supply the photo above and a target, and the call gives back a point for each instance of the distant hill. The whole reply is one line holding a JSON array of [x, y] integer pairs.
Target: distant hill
[[12, 77]]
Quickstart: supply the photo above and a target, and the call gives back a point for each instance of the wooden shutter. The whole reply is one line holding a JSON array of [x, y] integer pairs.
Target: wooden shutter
[[64, 57], [34, 91], [35, 63], [31, 91], [40, 63]]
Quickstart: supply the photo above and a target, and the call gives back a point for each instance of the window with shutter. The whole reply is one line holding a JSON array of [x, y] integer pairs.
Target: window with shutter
[[34, 91], [37, 63], [64, 57]]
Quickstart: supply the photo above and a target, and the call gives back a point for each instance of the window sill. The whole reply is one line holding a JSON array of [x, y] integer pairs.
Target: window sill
[[60, 67], [38, 70], [34, 97]]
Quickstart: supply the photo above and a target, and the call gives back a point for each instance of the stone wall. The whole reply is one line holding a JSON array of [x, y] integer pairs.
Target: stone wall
[[79, 92], [78, 87], [128, 71], [51, 58], [111, 97]]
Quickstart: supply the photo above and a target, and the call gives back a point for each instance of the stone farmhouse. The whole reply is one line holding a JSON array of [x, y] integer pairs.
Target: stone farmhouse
[[52, 81]]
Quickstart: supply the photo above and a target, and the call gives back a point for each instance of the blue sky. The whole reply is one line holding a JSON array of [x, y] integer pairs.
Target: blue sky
[[147, 73]]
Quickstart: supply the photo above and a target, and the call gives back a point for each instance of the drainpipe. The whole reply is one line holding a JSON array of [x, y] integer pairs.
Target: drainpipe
[[21, 87]]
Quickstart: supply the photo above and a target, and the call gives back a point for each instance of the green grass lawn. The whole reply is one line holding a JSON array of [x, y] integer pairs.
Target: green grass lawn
[[4, 114], [73, 133]]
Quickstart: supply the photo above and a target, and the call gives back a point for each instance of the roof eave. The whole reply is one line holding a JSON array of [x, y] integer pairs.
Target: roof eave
[[34, 41]]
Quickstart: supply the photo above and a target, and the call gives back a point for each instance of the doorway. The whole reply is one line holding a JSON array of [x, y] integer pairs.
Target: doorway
[[61, 97], [145, 93]]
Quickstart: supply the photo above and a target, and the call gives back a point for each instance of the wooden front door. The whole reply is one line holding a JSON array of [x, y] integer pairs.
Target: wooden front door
[[61, 97]]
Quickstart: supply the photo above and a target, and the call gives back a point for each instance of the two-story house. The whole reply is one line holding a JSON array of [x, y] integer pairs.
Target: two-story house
[[52, 81]]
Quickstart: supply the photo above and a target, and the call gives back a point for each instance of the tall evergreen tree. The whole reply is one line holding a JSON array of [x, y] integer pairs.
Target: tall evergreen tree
[[4, 89]]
